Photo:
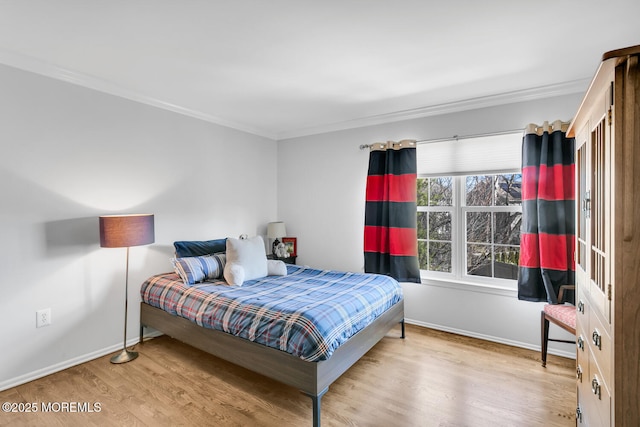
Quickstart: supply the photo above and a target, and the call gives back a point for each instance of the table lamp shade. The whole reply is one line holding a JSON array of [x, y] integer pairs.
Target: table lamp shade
[[120, 231], [276, 229]]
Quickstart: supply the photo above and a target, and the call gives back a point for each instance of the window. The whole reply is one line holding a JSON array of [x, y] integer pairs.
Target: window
[[469, 226], [492, 216], [435, 219], [469, 211]]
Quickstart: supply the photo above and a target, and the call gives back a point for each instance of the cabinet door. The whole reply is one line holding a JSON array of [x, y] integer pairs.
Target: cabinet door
[[593, 217], [599, 238], [583, 223]]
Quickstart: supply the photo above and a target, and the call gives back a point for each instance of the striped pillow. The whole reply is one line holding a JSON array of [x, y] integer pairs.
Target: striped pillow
[[199, 268]]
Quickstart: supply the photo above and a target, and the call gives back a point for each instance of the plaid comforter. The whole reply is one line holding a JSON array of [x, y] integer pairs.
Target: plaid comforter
[[308, 313]]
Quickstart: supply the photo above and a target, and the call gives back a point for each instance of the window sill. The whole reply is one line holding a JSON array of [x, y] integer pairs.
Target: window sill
[[460, 285]]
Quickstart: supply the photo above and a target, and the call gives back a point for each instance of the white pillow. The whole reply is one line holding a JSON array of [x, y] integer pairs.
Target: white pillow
[[234, 274], [249, 254], [276, 268]]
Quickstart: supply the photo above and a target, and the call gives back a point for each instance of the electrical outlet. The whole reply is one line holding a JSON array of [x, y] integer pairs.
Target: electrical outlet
[[43, 317]]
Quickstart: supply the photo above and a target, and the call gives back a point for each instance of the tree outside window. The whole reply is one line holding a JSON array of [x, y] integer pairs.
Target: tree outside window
[[487, 216], [435, 201]]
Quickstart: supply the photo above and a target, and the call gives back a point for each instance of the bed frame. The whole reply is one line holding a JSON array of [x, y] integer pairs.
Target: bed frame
[[311, 378]]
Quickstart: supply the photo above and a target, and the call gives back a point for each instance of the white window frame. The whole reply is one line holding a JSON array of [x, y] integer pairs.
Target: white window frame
[[454, 231], [487, 154], [459, 234]]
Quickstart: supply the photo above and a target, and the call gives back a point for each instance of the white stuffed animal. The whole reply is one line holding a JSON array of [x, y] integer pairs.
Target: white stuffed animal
[[281, 251]]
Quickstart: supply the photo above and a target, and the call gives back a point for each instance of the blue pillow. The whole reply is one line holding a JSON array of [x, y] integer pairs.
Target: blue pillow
[[197, 269], [188, 248]]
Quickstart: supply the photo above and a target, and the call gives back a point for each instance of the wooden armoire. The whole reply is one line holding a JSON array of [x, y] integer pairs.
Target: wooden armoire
[[607, 132]]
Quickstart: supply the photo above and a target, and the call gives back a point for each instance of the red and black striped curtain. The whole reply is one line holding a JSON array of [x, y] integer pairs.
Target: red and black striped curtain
[[390, 229], [548, 213]]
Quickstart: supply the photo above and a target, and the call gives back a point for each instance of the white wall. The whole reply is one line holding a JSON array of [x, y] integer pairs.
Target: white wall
[[70, 154], [321, 187]]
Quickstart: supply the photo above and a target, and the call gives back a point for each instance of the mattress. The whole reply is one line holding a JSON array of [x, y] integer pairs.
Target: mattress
[[308, 313]]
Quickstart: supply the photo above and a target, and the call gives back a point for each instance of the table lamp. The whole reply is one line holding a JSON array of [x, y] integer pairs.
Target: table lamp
[[274, 231]]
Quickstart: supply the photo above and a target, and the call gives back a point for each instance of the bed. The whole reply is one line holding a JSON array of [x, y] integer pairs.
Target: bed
[[304, 328]]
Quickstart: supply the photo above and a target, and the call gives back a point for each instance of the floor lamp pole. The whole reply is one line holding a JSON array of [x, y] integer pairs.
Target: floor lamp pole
[[125, 355]]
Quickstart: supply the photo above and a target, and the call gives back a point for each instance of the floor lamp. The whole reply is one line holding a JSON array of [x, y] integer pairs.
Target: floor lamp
[[123, 231]]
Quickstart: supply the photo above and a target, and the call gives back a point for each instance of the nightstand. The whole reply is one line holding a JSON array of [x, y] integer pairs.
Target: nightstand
[[289, 260]]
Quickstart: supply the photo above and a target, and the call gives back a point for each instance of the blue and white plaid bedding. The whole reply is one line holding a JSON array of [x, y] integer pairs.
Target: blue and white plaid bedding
[[308, 313]]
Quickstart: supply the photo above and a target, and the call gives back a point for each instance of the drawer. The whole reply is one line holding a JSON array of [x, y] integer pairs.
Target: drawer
[[599, 342], [583, 309], [583, 386], [582, 344], [582, 367], [599, 400], [594, 401], [592, 411], [584, 407]]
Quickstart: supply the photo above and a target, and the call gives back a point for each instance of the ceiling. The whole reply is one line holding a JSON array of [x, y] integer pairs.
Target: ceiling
[[285, 68]]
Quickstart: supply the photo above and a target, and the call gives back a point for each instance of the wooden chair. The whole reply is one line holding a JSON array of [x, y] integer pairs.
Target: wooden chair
[[560, 314]]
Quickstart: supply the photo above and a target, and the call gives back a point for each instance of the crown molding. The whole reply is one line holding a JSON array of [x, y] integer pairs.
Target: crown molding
[[566, 88], [37, 66]]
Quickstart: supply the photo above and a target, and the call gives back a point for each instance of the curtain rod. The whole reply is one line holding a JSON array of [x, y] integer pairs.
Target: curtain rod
[[531, 128], [454, 138]]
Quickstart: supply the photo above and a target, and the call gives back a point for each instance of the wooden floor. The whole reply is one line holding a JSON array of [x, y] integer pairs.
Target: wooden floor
[[429, 379]]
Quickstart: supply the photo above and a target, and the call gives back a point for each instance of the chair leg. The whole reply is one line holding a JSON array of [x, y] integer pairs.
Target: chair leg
[[544, 329]]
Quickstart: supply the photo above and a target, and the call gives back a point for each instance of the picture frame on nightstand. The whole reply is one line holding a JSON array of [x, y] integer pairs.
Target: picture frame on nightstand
[[291, 244]]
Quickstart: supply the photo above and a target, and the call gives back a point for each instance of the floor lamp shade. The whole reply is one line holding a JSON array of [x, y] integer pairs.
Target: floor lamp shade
[[121, 231]]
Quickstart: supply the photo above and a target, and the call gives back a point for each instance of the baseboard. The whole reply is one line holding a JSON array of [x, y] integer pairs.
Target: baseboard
[[31, 376], [499, 340]]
